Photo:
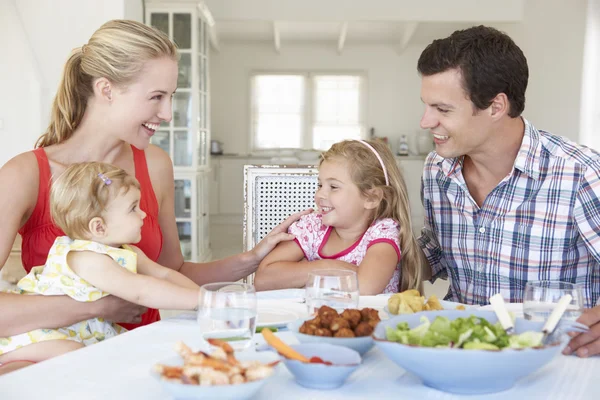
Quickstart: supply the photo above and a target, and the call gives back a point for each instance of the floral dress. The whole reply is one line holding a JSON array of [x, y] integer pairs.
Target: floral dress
[[55, 278]]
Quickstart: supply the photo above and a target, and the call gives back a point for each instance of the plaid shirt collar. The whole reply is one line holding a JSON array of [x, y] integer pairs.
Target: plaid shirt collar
[[527, 161]]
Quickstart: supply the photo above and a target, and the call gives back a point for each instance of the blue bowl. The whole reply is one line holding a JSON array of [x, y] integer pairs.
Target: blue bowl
[[465, 371], [223, 392], [360, 344], [321, 376]]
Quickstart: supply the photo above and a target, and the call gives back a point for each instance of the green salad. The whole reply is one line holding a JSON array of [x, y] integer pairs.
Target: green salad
[[472, 333]]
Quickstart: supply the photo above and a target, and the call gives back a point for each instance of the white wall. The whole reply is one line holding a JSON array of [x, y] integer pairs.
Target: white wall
[[590, 96], [551, 36], [21, 86], [37, 36]]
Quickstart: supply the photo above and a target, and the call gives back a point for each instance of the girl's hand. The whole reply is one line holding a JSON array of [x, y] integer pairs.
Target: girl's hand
[[115, 309], [278, 234]]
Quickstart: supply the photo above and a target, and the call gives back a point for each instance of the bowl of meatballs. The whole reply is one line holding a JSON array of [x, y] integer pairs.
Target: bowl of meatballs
[[351, 328]]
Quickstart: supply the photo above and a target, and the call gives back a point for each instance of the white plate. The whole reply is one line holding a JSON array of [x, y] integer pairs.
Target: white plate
[[275, 317]]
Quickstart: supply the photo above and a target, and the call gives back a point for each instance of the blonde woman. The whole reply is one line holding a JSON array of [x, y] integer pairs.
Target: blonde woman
[[362, 224], [97, 205], [114, 93]]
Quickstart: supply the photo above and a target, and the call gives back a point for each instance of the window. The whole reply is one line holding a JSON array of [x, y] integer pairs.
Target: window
[[306, 110]]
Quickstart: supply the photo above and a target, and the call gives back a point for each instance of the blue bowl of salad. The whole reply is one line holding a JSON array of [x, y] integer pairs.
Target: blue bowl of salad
[[464, 352]]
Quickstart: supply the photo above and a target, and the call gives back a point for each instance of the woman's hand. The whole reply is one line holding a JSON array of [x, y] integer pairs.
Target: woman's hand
[[115, 309], [278, 234], [586, 344]]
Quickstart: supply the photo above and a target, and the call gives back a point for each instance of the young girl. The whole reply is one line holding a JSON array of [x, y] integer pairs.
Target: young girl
[[362, 224], [97, 207]]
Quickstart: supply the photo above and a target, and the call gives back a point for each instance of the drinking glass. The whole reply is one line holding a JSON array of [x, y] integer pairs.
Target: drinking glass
[[541, 297], [227, 311], [336, 288]]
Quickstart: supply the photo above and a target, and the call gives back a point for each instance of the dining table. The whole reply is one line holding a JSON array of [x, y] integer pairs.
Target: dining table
[[121, 367]]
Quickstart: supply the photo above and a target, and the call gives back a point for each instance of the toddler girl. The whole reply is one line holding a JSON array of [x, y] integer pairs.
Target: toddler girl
[[97, 206]]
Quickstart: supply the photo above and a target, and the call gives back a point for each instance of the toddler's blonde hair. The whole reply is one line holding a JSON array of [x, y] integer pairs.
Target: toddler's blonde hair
[[80, 194], [366, 173]]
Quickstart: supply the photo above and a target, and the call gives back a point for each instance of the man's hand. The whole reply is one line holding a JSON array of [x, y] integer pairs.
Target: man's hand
[[586, 344], [115, 309]]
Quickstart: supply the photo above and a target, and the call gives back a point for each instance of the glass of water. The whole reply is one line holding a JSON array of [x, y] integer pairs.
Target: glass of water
[[541, 297], [227, 311], [336, 288]]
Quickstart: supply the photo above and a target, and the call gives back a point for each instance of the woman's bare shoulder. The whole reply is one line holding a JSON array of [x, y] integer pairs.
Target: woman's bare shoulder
[[160, 168], [19, 185], [21, 169]]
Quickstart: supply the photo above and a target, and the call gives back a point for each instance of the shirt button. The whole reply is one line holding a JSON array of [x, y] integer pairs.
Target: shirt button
[[482, 230]]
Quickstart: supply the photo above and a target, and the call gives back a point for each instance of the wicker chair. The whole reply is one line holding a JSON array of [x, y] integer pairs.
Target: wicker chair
[[271, 194]]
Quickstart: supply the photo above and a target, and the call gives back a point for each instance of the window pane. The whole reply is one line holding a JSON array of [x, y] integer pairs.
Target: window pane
[[337, 113], [337, 99], [278, 108], [182, 30], [324, 136], [160, 22]]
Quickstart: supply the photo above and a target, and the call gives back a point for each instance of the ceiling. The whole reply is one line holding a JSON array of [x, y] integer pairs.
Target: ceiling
[[398, 23]]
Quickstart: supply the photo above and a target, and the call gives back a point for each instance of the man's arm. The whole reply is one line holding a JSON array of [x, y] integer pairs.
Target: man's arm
[[428, 241]]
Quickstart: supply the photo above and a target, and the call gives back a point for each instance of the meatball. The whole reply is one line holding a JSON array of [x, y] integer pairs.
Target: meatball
[[363, 329], [308, 328], [344, 332], [327, 317], [325, 309], [323, 332], [339, 323], [353, 317], [369, 314]]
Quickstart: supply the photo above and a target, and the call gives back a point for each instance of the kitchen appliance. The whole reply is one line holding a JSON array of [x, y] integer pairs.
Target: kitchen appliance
[[216, 147]]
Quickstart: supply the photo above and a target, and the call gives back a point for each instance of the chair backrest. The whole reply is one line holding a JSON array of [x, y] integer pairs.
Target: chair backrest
[[271, 194]]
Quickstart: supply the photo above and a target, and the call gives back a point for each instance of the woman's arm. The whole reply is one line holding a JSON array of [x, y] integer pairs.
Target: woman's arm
[[103, 272], [23, 313], [231, 268], [146, 266]]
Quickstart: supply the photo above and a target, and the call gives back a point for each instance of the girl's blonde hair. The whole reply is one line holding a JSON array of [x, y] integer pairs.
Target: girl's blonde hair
[[117, 51], [83, 192], [366, 173]]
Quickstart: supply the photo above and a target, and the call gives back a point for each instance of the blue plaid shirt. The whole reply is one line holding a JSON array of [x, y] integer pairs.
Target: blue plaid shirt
[[541, 222]]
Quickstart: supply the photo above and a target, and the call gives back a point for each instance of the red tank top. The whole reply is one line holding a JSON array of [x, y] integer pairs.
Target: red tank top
[[39, 232]]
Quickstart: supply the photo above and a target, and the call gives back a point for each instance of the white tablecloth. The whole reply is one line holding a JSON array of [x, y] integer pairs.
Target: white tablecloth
[[119, 369]]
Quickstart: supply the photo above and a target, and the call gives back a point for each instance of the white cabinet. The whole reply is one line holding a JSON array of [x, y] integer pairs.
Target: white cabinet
[[187, 136]]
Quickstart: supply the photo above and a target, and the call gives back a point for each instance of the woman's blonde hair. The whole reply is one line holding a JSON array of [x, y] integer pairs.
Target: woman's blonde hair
[[83, 192], [366, 173], [117, 51]]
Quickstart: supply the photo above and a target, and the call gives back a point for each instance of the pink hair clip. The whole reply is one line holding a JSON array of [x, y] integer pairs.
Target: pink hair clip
[[104, 179]]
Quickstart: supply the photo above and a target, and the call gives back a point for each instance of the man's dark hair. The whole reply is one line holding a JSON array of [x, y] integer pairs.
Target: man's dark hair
[[489, 61]]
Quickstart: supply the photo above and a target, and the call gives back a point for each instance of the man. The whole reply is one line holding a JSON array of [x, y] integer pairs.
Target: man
[[505, 203]]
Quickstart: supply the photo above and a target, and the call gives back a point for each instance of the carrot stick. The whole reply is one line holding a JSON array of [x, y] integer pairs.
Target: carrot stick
[[281, 347]]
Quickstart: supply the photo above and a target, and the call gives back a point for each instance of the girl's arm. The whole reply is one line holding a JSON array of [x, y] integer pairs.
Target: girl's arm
[[285, 267], [146, 266], [377, 268], [232, 268], [282, 268], [103, 272]]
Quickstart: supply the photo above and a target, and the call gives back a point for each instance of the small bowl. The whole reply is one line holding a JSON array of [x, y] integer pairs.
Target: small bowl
[[360, 344], [465, 371], [322, 376], [223, 392]]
